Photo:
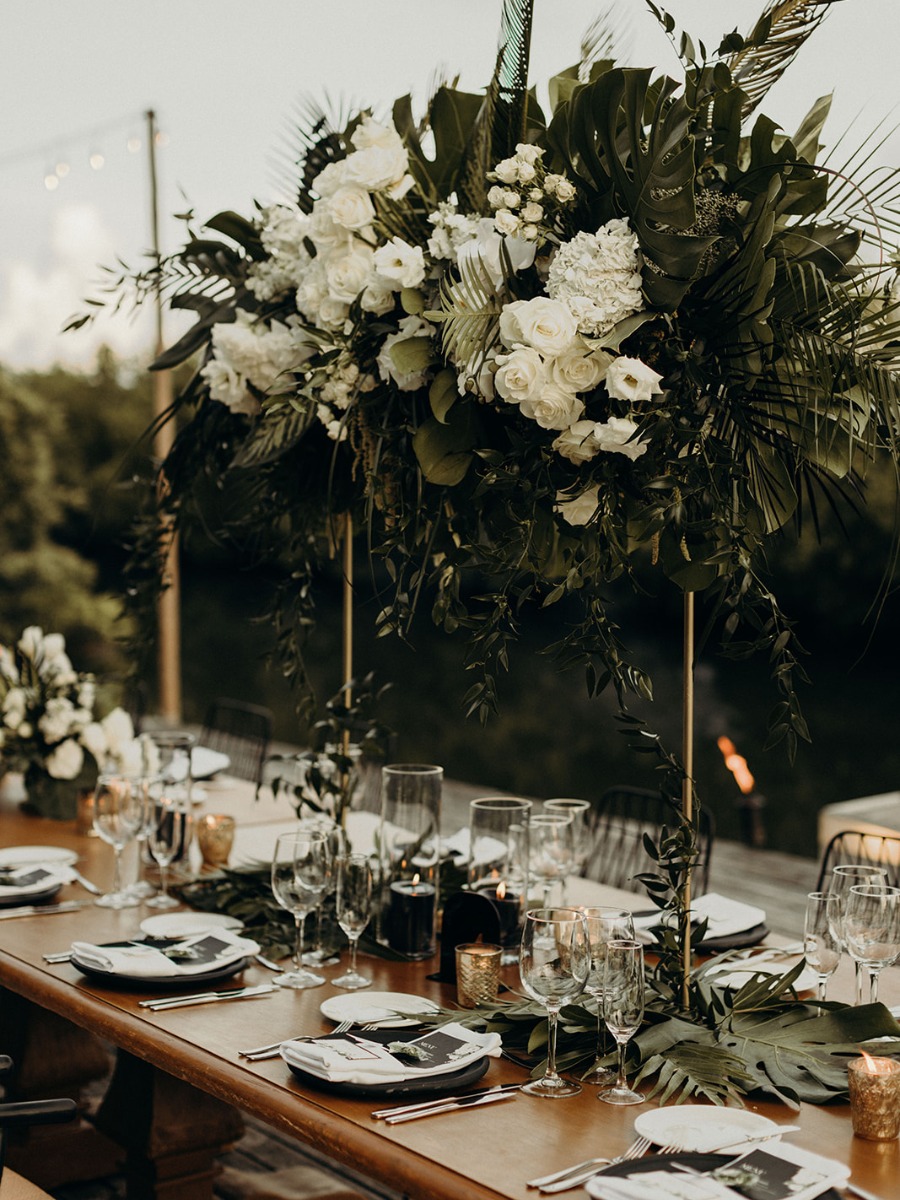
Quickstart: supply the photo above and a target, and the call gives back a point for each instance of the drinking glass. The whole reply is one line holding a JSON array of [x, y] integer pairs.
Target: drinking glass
[[354, 909], [168, 833], [142, 887], [872, 929], [553, 966], [409, 841], [580, 811], [322, 955], [821, 936], [604, 925], [550, 850], [623, 1008], [843, 877], [118, 814], [498, 862], [301, 869]]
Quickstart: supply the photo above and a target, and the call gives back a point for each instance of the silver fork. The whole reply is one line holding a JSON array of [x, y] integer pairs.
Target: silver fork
[[561, 1181], [273, 1049]]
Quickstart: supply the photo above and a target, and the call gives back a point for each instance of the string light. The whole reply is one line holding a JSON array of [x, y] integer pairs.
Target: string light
[[62, 169], [51, 181], [161, 139], [96, 160], [133, 144]]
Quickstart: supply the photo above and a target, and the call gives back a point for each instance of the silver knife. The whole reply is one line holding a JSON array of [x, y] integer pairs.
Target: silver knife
[[382, 1113], [471, 1102], [86, 883], [163, 1003], [41, 910]]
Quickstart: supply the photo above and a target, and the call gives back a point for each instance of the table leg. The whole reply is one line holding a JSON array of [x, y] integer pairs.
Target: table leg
[[171, 1132]]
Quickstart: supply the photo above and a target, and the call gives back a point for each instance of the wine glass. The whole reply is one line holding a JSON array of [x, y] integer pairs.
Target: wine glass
[[167, 837], [550, 849], [843, 877], [821, 936], [872, 929], [354, 909], [604, 925], [322, 955], [553, 966], [301, 870], [118, 814], [623, 1008], [580, 811]]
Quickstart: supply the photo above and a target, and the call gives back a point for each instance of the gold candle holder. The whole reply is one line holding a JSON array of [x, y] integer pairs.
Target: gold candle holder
[[84, 813], [477, 973], [874, 1097], [215, 837]]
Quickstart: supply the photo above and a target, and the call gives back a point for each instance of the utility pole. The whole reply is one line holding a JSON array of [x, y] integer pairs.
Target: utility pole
[[169, 605]]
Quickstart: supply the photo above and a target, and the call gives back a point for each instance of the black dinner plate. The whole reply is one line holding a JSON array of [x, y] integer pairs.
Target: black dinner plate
[[734, 941], [696, 1162], [12, 901], [194, 982], [425, 1085]]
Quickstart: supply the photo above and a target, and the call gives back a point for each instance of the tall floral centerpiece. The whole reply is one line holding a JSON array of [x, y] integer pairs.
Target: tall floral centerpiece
[[49, 729], [548, 351]]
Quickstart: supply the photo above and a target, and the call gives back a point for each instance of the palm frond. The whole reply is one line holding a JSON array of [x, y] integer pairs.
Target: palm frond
[[470, 316], [601, 40], [777, 38], [313, 138]]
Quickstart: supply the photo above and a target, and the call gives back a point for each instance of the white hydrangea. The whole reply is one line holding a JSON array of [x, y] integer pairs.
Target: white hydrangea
[[282, 233], [451, 229], [247, 351], [598, 277]]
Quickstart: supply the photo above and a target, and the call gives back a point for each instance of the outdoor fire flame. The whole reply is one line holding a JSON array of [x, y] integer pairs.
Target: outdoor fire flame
[[736, 764], [751, 803]]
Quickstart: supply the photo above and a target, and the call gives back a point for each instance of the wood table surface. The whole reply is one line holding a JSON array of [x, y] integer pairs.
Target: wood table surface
[[477, 1154]]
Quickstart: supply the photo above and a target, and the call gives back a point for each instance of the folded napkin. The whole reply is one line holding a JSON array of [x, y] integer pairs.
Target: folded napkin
[[724, 917], [359, 1060], [191, 956], [29, 880]]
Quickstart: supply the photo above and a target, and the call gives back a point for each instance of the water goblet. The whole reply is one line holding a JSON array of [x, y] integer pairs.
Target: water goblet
[[623, 1008], [872, 929], [354, 909], [843, 877], [166, 839], [118, 813], [322, 955], [580, 811], [553, 966], [605, 924], [301, 869], [550, 850], [821, 936]]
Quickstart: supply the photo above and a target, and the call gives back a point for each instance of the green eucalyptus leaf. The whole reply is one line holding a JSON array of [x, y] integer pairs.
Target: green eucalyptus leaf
[[444, 450], [412, 355], [443, 394]]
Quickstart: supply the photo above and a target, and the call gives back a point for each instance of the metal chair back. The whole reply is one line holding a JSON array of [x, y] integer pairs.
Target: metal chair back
[[854, 846], [242, 731]]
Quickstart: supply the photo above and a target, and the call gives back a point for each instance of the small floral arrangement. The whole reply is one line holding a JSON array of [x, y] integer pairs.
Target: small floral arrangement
[[48, 727]]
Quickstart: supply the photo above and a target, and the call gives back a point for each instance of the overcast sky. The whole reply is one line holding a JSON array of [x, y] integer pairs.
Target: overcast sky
[[224, 76]]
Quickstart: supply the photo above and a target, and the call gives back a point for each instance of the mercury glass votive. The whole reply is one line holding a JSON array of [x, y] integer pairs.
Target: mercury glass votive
[[875, 1097], [215, 837], [477, 973]]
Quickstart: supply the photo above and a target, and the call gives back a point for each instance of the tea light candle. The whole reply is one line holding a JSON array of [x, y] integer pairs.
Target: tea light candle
[[411, 913], [874, 1097], [477, 973]]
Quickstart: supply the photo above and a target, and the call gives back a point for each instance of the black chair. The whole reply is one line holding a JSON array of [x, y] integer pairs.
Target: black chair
[[15, 1115], [853, 846], [620, 819], [242, 731]]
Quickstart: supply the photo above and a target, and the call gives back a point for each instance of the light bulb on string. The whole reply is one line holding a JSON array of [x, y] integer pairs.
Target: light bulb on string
[[161, 139], [96, 160], [51, 181], [133, 144], [62, 169]]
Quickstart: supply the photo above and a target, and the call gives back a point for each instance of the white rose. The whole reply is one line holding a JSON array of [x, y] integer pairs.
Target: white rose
[[578, 510], [482, 253], [507, 171], [401, 264], [495, 196], [93, 738], [14, 708], [349, 274], [54, 645], [577, 371], [130, 758], [329, 179], [528, 152], [577, 443], [526, 172], [477, 378], [376, 167], [229, 388], [57, 722], [66, 760], [553, 408], [520, 375], [370, 132], [351, 208], [333, 313], [325, 231], [118, 727], [379, 297], [532, 212], [506, 222], [631, 379], [31, 640], [545, 324], [615, 435]]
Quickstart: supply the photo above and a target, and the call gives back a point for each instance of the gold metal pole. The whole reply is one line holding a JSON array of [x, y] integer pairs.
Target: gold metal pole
[[347, 614], [169, 604], [687, 787]]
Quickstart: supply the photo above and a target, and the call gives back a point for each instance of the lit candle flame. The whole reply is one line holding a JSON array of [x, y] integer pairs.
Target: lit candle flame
[[501, 889], [415, 881], [736, 764]]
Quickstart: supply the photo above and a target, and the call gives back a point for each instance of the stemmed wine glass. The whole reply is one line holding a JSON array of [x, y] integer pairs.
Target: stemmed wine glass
[[167, 837], [821, 936], [301, 870], [118, 814], [322, 955], [550, 849], [623, 1008], [872, 929], [580, 813], [553, 966], [354, 909], [843, 877], [604, 925]]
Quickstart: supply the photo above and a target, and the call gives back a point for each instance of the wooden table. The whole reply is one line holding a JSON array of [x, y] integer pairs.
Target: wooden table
[[484, 1154]]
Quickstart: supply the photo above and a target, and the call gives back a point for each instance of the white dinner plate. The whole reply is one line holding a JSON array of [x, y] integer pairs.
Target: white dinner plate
[[23, 856], [373, 1008], [702, 1132], [205, 762], [186, 924], [735, 975]]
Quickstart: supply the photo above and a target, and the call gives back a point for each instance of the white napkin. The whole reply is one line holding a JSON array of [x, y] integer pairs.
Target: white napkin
[[457, 845], [356, 1059], [14, 883], [140, 959], [725, 917]]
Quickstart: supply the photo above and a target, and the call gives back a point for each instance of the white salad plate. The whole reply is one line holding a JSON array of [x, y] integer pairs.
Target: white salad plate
[[186, 924], [25, 856], [376, 1008], [680, 1127]]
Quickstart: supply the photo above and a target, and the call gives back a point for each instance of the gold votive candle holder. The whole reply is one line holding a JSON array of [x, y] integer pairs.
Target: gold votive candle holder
[[874, 1097], [477, 973], [84, 813], [215, 837]]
